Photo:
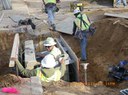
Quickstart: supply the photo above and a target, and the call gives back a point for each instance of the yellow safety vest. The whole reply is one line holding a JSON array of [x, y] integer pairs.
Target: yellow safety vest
[[55, 77], [78, 21], [50, 1]]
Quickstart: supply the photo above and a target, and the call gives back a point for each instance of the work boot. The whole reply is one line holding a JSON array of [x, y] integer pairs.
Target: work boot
[[53, 27]]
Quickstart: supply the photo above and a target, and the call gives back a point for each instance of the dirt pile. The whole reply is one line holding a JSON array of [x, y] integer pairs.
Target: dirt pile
[[108, 46]]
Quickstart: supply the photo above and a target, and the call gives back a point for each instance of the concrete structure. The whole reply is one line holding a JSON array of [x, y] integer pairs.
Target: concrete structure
[[30, 58], [66, 25]]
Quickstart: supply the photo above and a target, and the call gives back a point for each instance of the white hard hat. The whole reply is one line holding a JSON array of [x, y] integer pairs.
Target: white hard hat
[[48, 61], [49, 42], [76, 11]]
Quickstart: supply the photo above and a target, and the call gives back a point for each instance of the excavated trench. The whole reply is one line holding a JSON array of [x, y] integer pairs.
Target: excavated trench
[[106, 47]]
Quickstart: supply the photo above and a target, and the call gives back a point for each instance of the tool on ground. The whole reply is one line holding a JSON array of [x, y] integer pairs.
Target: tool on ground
[[119, 72], [27, 22]]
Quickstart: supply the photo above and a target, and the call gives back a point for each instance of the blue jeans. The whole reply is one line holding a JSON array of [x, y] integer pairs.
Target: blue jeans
[[51, 13], [83, 45], [123, 1]]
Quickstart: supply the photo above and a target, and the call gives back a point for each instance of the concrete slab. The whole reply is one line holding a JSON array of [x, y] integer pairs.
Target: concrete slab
[[36, 86], [30, 86], [66, 25], [20, 6], [30, 58], [119, 15]]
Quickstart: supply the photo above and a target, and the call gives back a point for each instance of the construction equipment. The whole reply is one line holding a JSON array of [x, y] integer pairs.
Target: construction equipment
[[119, 72]]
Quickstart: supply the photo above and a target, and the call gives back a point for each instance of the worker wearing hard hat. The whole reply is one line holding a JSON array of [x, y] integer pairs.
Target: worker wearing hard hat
[[51, 49], [49, 44], [46, 72], [50, 9], [53, 52], [79, 24]]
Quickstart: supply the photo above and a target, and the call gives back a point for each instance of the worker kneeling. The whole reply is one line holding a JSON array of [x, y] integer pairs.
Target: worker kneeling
[[46, 72]]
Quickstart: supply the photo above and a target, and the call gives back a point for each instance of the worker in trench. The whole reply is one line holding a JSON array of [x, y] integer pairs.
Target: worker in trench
[[51, 48], [44, 72], [52, 66], [81, 25], [50, 9]]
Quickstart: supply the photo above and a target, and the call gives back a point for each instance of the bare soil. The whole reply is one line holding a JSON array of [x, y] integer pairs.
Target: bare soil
[[106, 47]]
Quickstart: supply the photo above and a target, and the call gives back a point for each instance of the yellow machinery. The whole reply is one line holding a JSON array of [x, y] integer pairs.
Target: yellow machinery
[[74, 5]]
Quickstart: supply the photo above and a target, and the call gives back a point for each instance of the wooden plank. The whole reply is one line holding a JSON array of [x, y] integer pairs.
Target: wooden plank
[[30, 58], [36, 86], [66, 25], [120, 15], [15, 49]]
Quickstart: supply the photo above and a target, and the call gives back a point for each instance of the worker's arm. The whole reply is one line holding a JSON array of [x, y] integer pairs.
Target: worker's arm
[[62, 67], [74, 28], [23, 71]]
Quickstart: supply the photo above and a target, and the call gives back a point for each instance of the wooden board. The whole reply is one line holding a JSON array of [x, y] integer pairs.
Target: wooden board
[[120, 15], [66, 25], [15, 49]]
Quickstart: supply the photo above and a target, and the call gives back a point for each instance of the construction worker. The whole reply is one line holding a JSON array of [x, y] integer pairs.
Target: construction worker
[[118, 3], [44, 73], [79, 24], [49, 44], [50, 9]]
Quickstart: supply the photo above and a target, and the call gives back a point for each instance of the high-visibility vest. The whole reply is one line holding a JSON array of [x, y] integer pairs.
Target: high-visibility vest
[[55, 52], [78, 22], [55, 77], [50, 1]]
